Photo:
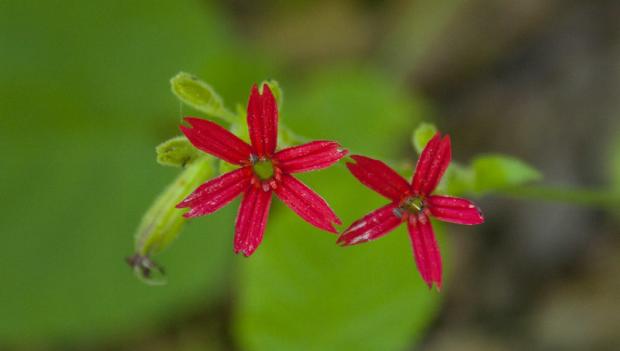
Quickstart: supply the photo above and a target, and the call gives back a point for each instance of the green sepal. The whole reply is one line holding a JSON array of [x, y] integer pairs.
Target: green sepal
[[199, 95], [422, 135], [163, 222], [176, 152]]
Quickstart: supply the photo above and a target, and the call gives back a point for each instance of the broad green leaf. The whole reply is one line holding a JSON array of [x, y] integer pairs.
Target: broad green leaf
[[176, 152], [458, 180], [300, 291], [64, 257], [83, 175], [199, 95], [422, 135], [494, 172], [359, 108]]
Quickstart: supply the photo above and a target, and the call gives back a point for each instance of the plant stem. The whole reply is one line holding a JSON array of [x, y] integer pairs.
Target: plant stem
[[582, 197]]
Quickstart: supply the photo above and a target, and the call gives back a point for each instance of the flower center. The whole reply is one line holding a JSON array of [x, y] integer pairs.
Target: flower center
[[263, 169], [413, 204]]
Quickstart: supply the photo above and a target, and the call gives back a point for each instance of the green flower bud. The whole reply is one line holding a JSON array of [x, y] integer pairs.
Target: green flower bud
[[163, 222], [199, 95], [176, 152]]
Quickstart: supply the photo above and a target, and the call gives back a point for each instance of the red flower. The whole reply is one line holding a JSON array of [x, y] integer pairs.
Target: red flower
[[412, 203], [262, 171]]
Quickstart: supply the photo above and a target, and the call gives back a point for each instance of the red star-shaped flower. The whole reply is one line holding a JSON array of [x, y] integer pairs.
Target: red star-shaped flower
[[411, 203], [263, 171]]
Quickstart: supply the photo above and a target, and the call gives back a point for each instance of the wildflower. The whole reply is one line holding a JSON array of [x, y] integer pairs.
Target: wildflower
[[412, 203], [263, 171]]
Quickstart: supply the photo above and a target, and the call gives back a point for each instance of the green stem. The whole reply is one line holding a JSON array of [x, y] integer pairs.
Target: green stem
[[582, 197]]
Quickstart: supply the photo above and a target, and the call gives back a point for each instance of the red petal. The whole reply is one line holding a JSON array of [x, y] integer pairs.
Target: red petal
[[454, 210], [308, 205], [216, 193], [372, 226], [216, 140], [432, 164], [251, 220], [425, 249], [263, 121], [309, 157], [379, 177]]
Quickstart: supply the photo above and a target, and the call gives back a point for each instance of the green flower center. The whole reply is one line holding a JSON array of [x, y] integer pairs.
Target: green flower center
[[413, 204], [263, 169]]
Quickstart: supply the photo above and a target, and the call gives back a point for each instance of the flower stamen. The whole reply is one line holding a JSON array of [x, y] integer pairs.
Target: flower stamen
[[412, 204]]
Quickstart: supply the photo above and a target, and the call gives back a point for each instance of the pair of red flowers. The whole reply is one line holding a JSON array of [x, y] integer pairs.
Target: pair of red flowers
[[264, 171]]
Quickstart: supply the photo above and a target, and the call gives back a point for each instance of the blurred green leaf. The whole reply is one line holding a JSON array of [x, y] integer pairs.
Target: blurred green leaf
[[356, 106], [422, 135], [301, 291], [495, 172], [89, 141], [63, 257], [457, 181], [176, 152], [199, 95]]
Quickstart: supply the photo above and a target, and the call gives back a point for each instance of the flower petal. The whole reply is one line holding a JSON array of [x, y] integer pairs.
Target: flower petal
[[372, 226], [216, 140], [379, 177], [216, 193], [425, 249], [251, 220], [309, 157], [263, 121], [454, 210], [432, 164], [308, 205]]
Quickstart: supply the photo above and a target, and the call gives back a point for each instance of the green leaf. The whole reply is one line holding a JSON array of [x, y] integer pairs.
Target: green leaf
[[494, 172], [66, 231], [422, 135], [300, 291], [199, 95], [77, 268], [358, 107], [457, 181], [176, 152]]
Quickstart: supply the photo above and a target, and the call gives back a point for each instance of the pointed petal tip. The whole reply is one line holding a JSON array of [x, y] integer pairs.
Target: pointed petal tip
[[245, 251], [192, 120], [266, 89], [341, 241], [332, 230], [433, 284]]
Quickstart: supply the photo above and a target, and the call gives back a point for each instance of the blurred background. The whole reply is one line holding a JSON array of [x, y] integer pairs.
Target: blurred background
[[85, 97]]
